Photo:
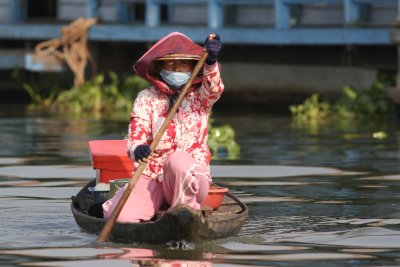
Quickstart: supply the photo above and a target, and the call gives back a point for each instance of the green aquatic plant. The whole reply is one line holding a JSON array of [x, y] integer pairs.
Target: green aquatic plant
[[96, 96], [39, 101], [379, 135], [369, 109], [100, 96], [311, 110], [221, 141], [369, 104]]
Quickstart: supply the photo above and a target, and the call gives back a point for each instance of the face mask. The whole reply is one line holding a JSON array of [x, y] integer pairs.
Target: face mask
[[175, 78]]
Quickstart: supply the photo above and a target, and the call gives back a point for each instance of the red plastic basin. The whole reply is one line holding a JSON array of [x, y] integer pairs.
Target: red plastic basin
[[215, 197]]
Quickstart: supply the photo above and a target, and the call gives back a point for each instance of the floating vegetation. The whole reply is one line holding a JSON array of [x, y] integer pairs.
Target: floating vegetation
[[369, 110], [95, 96], [98, 97], [39, 102], [371, 104], [311, 110], [379, 135], [221, 141]]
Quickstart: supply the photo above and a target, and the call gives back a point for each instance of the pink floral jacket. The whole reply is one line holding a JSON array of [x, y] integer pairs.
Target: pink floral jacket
[[188, 128]]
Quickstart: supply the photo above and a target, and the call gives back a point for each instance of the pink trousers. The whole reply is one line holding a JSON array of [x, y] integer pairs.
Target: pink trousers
[[185, 182]]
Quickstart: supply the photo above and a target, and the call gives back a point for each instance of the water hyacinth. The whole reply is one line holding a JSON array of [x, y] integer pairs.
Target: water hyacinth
[[99, 97], [363, 105], [96, 96]]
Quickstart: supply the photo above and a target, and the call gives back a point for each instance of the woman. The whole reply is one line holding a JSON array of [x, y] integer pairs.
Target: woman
[[178, 171]]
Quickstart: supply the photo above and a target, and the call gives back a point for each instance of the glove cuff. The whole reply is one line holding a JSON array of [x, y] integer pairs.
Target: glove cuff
[[210, 62], [211, 59]]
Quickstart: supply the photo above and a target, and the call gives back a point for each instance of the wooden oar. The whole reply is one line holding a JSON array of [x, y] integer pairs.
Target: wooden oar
[[107, 228]]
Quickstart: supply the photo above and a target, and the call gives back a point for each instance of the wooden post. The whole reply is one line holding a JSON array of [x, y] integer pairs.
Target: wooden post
[[282, 14], [152, 14], [16, 9], [92, 8], [351, 12], [215, 14], [123, 12]]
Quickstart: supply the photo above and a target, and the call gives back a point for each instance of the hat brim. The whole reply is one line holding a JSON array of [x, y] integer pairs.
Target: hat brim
[[178, 56]]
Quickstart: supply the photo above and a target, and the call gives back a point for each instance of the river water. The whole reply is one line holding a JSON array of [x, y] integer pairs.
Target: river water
[[327, 195]]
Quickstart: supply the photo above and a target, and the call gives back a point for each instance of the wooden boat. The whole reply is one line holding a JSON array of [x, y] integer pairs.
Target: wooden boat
[[183, 223]]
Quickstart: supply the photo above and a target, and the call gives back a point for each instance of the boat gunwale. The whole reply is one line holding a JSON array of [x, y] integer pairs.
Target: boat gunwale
[[208, 222]]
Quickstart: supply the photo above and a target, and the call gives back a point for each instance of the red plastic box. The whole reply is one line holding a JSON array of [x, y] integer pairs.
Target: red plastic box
[[110, 160]]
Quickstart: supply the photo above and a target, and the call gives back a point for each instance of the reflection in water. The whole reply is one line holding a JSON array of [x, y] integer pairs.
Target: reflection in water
[[329, 195], [110, 256], [54, 139], [65, 253], [295, 257], [122, 263], [371, 237], [383, 178], [236, 246]]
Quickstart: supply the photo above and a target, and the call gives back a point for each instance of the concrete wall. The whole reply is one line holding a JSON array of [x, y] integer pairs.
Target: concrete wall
[[323, 15], [255, 15], [302, 78], [383, 14], [70, 9], [189, 15]]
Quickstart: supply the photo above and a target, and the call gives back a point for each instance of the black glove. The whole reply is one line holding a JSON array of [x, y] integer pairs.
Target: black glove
[[141, 152], [213, 45]]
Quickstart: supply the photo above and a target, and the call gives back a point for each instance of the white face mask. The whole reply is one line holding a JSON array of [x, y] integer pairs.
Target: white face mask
[[173, 78]]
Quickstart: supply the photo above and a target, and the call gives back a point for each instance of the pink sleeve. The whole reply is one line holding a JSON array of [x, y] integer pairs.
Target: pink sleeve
[[212, 87], [140, 124]]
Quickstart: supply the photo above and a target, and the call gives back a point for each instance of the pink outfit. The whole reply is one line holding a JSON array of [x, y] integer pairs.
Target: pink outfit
[[143, 202], [180, 173], [186, 182]]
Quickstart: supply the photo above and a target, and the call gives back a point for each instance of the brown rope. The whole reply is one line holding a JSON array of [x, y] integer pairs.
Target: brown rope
[[74, 47]]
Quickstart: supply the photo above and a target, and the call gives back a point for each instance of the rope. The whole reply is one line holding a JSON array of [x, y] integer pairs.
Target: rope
[[74, 47]]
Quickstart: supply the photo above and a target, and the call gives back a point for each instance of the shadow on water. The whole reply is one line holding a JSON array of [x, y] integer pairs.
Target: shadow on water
[[327, 195]]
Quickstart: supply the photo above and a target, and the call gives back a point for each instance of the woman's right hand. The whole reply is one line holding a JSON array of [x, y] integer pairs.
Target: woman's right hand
[[143, 153]]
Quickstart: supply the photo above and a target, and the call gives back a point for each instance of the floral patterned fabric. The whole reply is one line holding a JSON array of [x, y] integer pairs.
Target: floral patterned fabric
[[188, 128]]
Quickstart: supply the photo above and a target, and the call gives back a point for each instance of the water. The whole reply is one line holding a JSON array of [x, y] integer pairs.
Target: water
[[327, 195]]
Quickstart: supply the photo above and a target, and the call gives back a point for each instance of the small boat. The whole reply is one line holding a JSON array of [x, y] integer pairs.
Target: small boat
[[179, 224]]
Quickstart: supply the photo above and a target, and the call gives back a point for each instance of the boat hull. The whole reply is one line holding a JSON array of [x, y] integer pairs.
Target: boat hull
[[179, 224]]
